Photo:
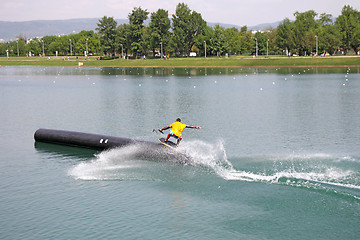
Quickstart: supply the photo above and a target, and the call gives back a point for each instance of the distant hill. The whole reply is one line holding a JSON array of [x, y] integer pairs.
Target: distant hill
[[30, 29]]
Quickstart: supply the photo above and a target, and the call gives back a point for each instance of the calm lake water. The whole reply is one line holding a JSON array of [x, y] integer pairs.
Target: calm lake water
[[277, 157]]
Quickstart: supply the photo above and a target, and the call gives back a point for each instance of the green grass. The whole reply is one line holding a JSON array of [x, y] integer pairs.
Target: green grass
[[185, 62]]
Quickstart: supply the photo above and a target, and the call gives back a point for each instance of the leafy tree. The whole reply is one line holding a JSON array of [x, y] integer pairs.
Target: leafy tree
[[349, 25], [203, 38], [247, 43], [243, 29], [159, 29], [122, 33], [106, 28], [285, 35], [218, 41], [87, 40], [34, 46], [329, 38], [304, 31], [3, 48], [271, 36], [190, 32], [74, 44], [328, 34], [261, 40], [233, 39], [64, 45], [187, 26], [325, 19], [47, 41], [136, 30], [20, 45]]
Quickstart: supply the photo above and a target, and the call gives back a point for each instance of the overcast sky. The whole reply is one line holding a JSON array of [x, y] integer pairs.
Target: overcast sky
[[237, 12]]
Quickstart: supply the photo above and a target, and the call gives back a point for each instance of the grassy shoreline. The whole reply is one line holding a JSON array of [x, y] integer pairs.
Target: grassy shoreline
[[346, 61]]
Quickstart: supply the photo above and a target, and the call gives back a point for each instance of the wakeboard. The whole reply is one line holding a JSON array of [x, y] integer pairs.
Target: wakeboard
[[169, 144]]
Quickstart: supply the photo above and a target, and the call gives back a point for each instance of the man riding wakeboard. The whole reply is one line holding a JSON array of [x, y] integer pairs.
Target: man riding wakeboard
[[176, 129]]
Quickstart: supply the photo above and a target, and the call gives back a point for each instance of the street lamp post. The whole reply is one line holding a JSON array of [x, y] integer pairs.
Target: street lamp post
[[87, 51], [70, 48], [17, 43], [256, 54], [161, 54], [43, 47], [205, 48], [122, 50], [267, 48], [316, 44]]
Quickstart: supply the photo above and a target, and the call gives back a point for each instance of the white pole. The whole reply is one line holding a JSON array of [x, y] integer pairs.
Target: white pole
[[161, 50], [256, 54], [87, 51], [205, 48]]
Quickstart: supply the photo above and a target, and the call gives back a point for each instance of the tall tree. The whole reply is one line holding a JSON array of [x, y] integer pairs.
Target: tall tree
[[285, 35], [304, 31], [87, 40], [136, 28], [218, 42], [349, 25], [328, 34], [271, 36], [159, 29], [106, 28], [34, 46], [122, 33], [233, 39], [246, 41], [261, 40], [47, 41], [187, 26]]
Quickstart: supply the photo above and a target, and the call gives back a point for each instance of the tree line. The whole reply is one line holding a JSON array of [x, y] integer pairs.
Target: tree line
[[186, 31]]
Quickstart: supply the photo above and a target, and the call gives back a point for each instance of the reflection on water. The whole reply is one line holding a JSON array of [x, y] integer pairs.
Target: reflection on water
[[202, 71], [64, 151], [175, 71]]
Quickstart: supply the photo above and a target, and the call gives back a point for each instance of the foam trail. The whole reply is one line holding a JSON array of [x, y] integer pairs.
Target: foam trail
[[133, 162], [319, 175], [209, 155], [105, 162], [299, 169]]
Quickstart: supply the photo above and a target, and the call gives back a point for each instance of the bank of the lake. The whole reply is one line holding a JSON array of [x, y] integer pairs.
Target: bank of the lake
[[348, 61]]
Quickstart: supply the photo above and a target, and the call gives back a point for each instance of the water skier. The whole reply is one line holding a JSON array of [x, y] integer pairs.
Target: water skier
[[176, 129]]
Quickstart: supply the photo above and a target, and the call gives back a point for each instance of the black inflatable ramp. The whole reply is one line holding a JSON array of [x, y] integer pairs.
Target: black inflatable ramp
[[85, 140]]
